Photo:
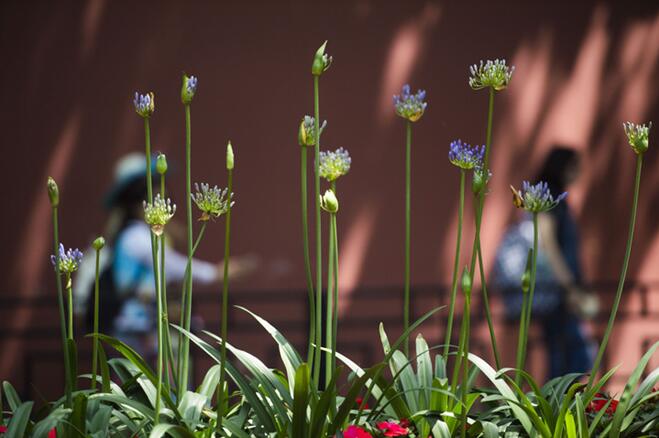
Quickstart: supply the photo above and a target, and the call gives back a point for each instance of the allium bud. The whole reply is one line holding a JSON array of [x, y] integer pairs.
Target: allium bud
[[158, 213], [480, 180], [321, 61], [161, 164], [98, 243], [307, 132], [329, 202], [144, 104], [410, 106], [638, 136], [188, 89], [53, 192], [69, 260], [229, 156]]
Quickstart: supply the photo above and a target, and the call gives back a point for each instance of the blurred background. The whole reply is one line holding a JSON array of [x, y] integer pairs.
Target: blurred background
[[71, 68]]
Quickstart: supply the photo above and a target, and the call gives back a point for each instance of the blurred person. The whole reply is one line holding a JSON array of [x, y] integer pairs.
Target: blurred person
[[559, 301], [127, 293]]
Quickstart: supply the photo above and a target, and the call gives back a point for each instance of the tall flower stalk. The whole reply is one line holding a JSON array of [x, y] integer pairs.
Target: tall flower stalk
[[333, 165], [53, 195], [638, 137], [223, 391], [410, 107], [465, 158], [188, 90], [320, 64], [495, 76], [535, 199], [98, 244], [307, 138]]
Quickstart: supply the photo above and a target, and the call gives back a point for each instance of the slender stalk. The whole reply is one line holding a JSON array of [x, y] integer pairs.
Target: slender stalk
[[159, 275], [319, 249], [69, 296], [329, 309], [521, 357], [623, 273], [184, 359], [335, 311], [465, 366], [96, 303], [408, 196], [147, 146], [169, 358], [305, 246], [522, 336], [456, 267], [60, 301], [225, 305]]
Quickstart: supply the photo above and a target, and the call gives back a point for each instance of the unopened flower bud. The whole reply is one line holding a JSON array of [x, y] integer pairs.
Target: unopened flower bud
[[638, 136], [188, 89], [161, 164], [526, 276], [53, 192], [480, 180], [329, 202], [229, 156], [98, 243], [466, 282], [307, 132], [145, 104], [321, 61]]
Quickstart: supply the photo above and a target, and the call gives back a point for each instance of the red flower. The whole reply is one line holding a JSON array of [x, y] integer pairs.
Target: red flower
[[599, 402], [392, 429], [52, 433], [360, 402], [3, 428], [356, 432], [404, 422]]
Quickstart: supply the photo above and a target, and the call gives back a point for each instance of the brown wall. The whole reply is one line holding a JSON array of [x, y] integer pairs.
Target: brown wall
[[70, 69]]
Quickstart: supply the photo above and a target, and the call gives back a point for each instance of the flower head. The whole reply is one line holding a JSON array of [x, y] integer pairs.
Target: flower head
[[356, 432], [465, 156], [158, 213], [307, 132], [69, 260], [213, 202], [53, 192], [188, 89], [321, 61], [391, 428], [329, 202], [495, 74], [361, 403], [480, 180], [410, 106], [144, 104], [535, 198], [334, 164], [638, 136]]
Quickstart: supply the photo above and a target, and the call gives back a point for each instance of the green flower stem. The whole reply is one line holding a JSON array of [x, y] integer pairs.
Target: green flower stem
[[305, 245], [147, 145], [465, 366], [456, 267], [69, 297], [184, 350], [60, 302], [526, 313], [476, 250], [408, 196], [336, 300], [522, 336], [329, 315], [319, 250], [158, 275], [623, 273], [459, 354], [221, 402], [169, 358], [96, 302]]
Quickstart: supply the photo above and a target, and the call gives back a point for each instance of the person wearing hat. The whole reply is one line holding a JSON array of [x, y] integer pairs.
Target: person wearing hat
[[127, 293]]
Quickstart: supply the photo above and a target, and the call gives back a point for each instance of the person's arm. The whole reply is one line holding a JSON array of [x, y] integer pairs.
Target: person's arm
[[549, 245]]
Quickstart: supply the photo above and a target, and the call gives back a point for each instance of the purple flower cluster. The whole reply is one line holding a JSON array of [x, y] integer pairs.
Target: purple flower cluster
[[192, 85], [144, 104], [69, 261], [465, 156], [410, 106], [536, 198]]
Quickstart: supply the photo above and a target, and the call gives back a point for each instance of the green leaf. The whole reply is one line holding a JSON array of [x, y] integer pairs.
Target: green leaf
[[211, 380], [300, 401], [105, 369], [424, 369], [190, 408], [570, 427], [73, 362], [319, 413], [441, 430], [173, 430], [19, 421], [55, 418], [627, 394], [562, 420], [12, 396], [79, 414], [490, 430]]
